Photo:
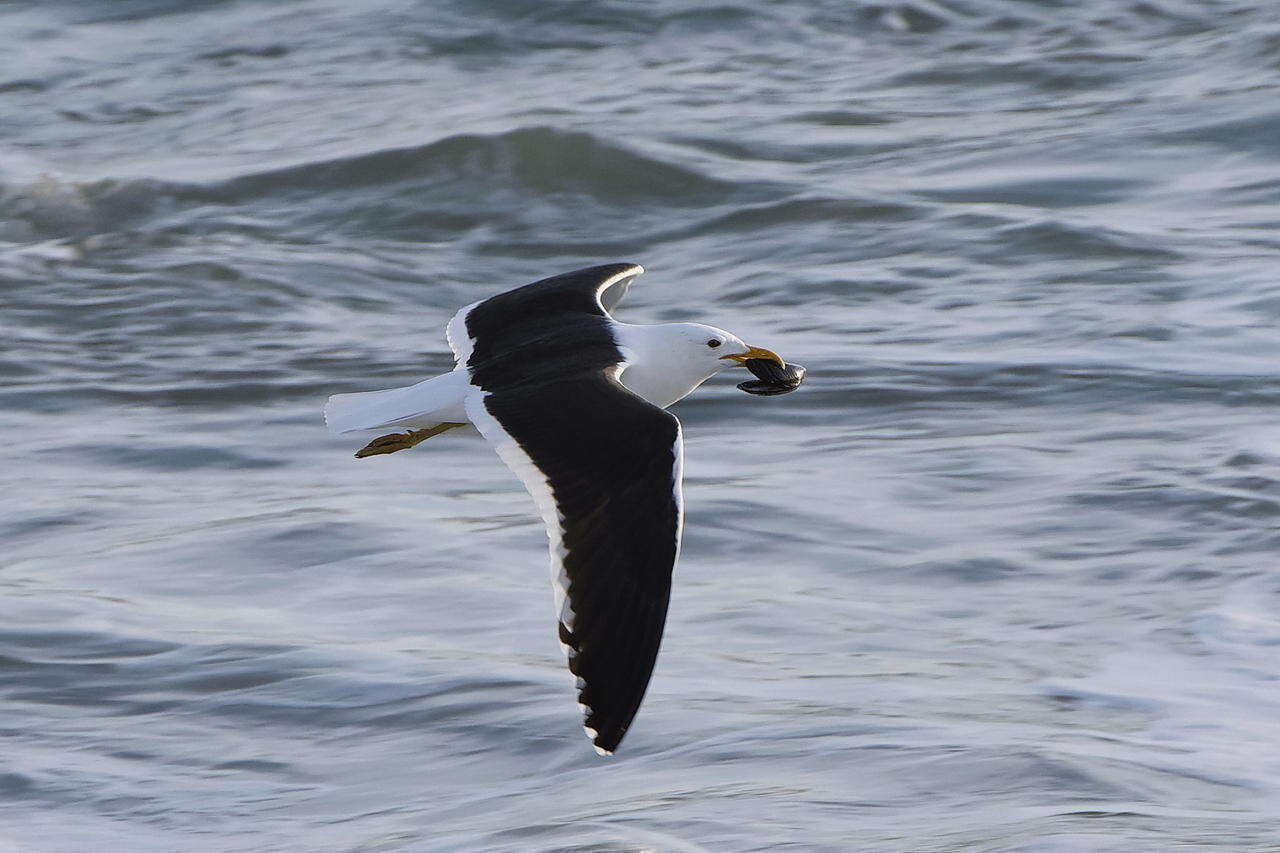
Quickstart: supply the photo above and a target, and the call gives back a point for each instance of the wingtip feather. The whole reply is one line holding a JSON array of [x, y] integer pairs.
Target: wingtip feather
[[594, 736]]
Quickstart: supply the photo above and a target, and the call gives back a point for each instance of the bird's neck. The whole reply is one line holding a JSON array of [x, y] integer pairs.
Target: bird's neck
[[653, 370]]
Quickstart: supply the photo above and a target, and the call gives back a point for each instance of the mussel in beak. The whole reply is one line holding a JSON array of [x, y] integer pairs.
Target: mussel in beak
[[771, 377]]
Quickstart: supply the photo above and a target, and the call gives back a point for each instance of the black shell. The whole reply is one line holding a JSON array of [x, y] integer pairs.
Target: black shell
[[771, 379]]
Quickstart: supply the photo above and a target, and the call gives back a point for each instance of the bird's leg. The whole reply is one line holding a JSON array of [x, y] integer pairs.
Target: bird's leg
[[402, 440]]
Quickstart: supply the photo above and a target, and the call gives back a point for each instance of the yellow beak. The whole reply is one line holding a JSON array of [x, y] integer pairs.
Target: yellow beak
[[755, 352]]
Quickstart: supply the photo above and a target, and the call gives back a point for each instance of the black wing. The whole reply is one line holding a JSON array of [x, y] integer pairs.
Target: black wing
[[592, 290], [557, 317], [604, 467]]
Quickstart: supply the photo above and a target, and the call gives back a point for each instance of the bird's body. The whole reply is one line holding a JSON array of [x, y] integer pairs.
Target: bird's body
[[574, 403], [652, 370]]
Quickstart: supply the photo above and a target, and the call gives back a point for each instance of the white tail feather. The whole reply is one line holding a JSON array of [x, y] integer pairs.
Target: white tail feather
[[426, 404]]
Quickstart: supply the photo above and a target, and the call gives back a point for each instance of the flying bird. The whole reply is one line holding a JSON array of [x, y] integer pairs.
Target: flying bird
[[574, 402]]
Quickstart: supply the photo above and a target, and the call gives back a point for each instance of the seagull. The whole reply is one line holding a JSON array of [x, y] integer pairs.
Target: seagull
[[574, 402]]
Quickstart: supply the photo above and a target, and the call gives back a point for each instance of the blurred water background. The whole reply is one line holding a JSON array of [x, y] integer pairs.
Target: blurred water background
[[1000, 577]]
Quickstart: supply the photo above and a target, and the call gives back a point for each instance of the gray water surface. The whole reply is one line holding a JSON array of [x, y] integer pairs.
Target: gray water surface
[[1001, 576]]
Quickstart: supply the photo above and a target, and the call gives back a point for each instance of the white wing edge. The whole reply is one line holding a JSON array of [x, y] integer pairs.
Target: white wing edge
[[456, 335], [614, 288], [535, 482]]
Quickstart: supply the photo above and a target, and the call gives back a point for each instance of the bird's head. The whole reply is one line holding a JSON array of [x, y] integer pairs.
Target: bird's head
[[669, 360], [718, 349]]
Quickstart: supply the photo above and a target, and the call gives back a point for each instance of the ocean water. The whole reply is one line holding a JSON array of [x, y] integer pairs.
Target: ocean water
[[1001, 576]]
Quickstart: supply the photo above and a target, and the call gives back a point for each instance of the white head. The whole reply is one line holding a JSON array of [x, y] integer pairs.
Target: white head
[[668, 361], [715, 349]]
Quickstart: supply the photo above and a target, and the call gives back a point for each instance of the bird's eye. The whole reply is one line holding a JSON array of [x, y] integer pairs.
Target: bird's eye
[[713, 343]]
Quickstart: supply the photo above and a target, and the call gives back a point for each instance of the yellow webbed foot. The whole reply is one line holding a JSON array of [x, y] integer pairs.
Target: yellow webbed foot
[[402, 440]]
